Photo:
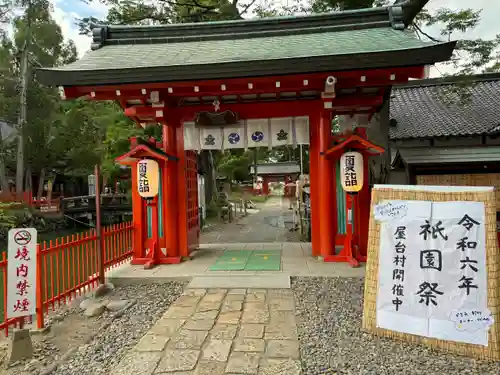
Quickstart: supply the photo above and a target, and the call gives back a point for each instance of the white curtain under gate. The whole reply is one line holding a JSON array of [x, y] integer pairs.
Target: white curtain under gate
[[285, 131]]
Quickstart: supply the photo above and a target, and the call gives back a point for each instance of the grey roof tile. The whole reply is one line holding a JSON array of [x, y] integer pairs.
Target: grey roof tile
[[446, 107]]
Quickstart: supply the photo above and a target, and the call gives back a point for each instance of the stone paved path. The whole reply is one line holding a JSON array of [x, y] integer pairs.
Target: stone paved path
[[218, 331], [270, 224]]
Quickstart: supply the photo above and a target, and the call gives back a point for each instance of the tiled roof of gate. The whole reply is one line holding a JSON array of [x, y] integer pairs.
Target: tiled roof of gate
[[202, 52], [360, 39], [446, 107]]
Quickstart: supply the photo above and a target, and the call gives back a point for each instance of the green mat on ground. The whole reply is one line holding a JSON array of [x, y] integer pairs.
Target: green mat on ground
[[246, 260], [232, 260]]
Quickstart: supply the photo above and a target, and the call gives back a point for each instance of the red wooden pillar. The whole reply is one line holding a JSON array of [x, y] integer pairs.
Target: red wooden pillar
[[314, 183], [170, 200], [265, 185], [326, 191], [181, 196], [363, 208], [363, 205]]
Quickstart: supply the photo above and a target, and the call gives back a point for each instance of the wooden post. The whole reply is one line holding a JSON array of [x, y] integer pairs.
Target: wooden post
[[314, 183], [39, 297], [181, 193], [100, 238], [170, 197], [326, 191], [363, 213]]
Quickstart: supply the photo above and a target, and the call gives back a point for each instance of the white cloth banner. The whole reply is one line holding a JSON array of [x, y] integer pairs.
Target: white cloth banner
[[234, 136], [432, 271], [302, 130], [191, 136], [281, 132], [258, 133], [211, 138]]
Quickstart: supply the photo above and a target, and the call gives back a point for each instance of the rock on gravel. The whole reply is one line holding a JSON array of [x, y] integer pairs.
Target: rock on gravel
[[107, 348], [95, 309], [329, 313]]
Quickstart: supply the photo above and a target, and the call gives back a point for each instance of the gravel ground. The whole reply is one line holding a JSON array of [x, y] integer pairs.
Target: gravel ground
[[110, 344], [329, 313]]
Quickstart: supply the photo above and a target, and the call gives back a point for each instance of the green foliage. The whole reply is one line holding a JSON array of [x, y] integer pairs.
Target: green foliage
[[8, 220], [235, 164], [212, 210], [61, 137], [157, 12], [471, 55]]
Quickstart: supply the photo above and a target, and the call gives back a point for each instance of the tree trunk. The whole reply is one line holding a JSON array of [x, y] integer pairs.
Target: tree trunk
[[50, 189], [211, 181], [4, 183], [41, 183], [28, 183], [21, 120]]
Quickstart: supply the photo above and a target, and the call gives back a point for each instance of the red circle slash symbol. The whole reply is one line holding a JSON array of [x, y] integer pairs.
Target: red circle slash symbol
[[23, 237]]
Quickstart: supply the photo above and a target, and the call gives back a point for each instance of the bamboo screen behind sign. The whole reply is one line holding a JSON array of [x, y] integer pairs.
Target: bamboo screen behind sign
[[437, 194]]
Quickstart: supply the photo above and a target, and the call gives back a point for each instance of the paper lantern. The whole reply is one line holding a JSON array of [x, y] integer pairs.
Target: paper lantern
[[351, 172], [148, 176]]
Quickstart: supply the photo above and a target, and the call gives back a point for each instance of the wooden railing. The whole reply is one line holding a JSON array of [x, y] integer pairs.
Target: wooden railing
[[87, 203], [68, 267]]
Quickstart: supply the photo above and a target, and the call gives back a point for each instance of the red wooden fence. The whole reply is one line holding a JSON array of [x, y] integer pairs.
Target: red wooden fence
[[68, 267], [27, 198]]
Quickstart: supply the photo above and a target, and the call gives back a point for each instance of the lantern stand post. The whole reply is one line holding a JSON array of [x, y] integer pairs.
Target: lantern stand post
[[351, 252], [348, 250], [154, 243]]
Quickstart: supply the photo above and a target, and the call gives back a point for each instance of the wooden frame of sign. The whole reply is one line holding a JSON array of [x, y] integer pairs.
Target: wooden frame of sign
[[437, 194]]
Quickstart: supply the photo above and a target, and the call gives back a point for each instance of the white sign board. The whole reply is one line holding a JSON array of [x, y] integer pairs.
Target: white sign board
[[432, 270], [21, 272]]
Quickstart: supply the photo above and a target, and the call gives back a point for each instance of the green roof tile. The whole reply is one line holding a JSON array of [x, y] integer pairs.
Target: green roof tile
[[244, 50]]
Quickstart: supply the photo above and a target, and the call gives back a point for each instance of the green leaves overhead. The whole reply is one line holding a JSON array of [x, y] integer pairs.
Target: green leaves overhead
[[471, 55], [66, 137]]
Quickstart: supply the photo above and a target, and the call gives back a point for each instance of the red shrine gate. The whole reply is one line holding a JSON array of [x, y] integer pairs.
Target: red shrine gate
[[315, 66]]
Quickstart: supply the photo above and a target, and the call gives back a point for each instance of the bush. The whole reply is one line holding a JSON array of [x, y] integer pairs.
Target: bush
[[8, 218], [212, 210]]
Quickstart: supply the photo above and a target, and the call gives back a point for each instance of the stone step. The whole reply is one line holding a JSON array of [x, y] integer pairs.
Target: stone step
[[259, 281]]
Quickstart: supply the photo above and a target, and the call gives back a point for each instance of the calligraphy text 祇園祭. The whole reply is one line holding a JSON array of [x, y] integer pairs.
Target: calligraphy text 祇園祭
[[351, 178], [398, 273], [431, 259], [143, 178]]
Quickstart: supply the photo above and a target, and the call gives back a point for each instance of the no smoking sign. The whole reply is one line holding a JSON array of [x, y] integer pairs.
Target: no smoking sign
[[22, 237]]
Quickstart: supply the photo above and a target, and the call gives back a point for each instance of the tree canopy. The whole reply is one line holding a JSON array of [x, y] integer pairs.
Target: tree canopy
[[58, 137]]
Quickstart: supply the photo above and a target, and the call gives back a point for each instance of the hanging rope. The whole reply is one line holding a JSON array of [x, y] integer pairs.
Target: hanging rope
[[80, 222]]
